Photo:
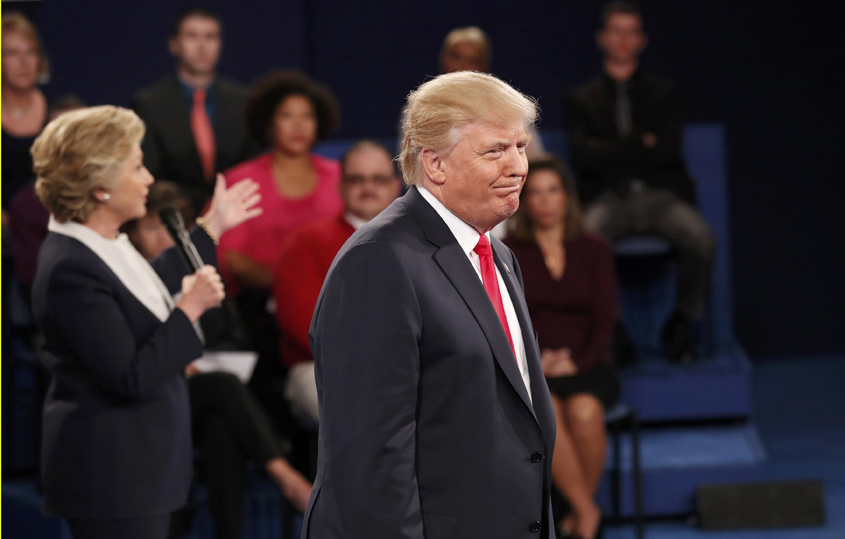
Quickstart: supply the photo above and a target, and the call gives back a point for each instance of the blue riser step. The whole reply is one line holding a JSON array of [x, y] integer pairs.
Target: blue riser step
[[676, 461], [22, 517], [710, 388]]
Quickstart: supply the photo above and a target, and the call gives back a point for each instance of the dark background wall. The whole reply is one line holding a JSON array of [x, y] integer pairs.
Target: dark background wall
[[772, 71]]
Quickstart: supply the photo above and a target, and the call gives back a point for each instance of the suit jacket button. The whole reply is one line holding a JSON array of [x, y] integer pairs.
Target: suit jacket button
[[534, 527], [536, 456]]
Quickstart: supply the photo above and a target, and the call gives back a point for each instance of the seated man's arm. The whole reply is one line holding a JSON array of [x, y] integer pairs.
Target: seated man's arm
[[297, 280], [590, 150], [365, 337]]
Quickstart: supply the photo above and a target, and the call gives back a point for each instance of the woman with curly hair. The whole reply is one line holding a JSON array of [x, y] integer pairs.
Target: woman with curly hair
[[287, 112]]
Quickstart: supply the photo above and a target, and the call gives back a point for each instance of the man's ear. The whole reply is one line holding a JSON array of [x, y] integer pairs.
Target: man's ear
[[644, 43], [433, 166], [600, 39], [173, 45]]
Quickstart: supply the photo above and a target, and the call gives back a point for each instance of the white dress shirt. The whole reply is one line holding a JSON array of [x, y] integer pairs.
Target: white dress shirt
[[468, 238], [355, 221]]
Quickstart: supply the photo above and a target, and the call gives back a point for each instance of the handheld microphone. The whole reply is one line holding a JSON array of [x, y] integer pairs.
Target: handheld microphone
[[172, 221]]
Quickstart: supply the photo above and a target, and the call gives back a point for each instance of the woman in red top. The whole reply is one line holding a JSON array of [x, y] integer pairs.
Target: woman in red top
[[570, 289], [288, 112]]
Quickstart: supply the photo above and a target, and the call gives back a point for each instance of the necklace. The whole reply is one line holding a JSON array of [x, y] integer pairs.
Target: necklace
[[19, 112]]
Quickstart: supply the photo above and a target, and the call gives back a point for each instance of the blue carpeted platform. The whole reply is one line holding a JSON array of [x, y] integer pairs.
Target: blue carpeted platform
[[711, 388], [675, 461]]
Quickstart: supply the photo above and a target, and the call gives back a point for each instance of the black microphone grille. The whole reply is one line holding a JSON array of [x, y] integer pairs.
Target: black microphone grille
[[171, 219]]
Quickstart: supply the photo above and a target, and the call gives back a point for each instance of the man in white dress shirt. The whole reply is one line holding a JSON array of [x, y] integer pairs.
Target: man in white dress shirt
[[436, 420]]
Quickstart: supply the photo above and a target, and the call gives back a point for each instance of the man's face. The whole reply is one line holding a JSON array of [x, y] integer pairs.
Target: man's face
[[197, 45], [484, 173], [369, 183], [622, 39], [464, 56]]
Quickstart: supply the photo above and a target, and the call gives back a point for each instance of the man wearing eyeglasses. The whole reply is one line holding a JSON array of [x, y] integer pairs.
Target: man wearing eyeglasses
[[368, 185]]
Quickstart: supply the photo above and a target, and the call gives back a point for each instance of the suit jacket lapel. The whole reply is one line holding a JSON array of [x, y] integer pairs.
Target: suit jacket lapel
[[178, 115], [225, 115], [532, 353], [457, 267]]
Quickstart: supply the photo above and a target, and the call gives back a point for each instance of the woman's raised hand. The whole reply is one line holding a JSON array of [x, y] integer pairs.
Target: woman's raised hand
[[231, 206]]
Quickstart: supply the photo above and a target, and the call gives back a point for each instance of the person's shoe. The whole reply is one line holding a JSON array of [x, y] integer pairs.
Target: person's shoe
[[677, 340]]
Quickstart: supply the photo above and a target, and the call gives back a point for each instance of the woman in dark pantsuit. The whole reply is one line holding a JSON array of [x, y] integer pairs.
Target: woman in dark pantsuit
[[116, 454]]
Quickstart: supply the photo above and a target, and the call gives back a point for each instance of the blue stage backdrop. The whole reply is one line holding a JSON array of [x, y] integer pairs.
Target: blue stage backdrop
[[771, 71]]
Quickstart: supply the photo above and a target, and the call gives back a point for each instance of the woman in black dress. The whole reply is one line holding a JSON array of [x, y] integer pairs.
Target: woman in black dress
[[24, 105], [570, 289]]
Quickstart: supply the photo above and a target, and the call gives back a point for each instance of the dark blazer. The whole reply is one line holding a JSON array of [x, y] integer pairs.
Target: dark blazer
[[170, 151], [426, 428], [604, 160], [116, 430]]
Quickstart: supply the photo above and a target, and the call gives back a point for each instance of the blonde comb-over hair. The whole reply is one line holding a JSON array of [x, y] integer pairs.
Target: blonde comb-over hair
[[442, 105]]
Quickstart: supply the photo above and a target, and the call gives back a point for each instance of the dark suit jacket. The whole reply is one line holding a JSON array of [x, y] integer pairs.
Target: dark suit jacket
[[170, 151], [426, 427], [603, 160], [116, 431]]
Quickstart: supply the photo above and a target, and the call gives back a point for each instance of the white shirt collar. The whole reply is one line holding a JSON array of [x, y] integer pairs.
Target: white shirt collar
[[355, 221], [466, 235]]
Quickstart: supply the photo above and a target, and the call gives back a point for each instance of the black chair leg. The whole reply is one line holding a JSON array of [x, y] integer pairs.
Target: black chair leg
[[617, 472], [638, 486], [288, 518]]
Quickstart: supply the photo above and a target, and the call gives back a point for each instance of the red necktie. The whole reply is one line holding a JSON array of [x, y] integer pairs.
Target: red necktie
[[491, 283], [203, 134]]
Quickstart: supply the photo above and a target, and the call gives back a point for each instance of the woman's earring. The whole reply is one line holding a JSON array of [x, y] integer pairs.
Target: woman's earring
[[106, 197]]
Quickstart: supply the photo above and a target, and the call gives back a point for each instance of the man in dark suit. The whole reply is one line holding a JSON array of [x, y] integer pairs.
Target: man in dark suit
[[195, 119], [625, 139], [436, 420]]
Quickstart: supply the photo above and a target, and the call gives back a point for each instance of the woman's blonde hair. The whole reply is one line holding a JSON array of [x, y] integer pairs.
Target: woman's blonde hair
[[79, 152], [448, 102], [18, 22]]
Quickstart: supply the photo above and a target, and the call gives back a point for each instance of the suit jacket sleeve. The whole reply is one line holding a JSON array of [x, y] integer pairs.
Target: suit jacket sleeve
[[171, 267], [365, 338], [95, 327], [151, 142]]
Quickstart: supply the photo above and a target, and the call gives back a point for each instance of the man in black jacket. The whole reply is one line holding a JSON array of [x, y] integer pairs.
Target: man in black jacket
[[195, 118], [625, 139]]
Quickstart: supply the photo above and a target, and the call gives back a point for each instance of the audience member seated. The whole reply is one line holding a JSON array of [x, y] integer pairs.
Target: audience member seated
[[288, 112], [368, 185], [625, 137], [24, 105], [28, 217], [228, 424], [571, 292], [195, 118], [470, 49]]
